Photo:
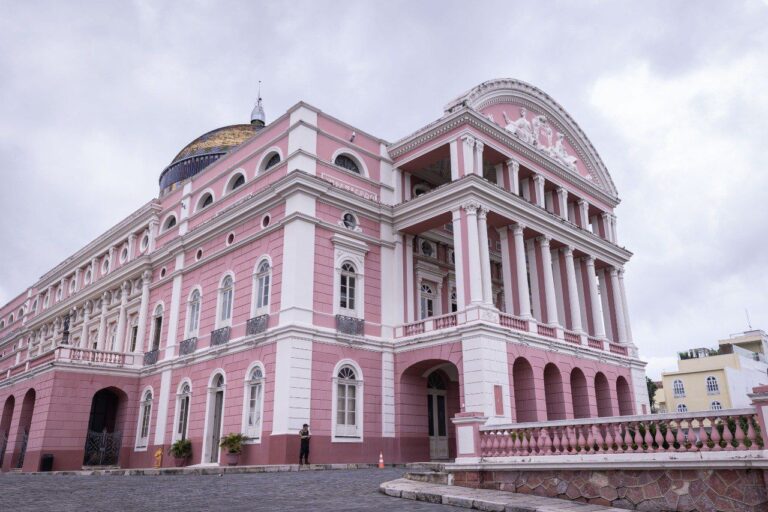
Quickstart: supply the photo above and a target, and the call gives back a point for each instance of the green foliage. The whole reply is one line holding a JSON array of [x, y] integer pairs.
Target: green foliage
[[652, 387], [181, 449], [233, 443]]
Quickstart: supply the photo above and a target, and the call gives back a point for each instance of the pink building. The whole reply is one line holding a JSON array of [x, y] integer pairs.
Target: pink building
[[304, 271]]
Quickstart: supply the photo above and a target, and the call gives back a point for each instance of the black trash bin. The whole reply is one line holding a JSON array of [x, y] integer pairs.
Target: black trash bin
[[46, 462]]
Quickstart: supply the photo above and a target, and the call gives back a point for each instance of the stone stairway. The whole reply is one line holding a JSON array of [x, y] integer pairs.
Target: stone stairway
[[427, 472]]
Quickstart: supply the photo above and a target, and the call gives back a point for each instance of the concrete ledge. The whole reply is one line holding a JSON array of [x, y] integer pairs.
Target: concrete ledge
[[207, 470], [483, 499]]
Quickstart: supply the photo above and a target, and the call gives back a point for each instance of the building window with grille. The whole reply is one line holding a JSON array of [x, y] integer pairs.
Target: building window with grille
[[347, 404], [682, 408], [226, 294], [254, 402], [145, 415], [193, 314], [713, 388], [427, 302], [348, 163], [715, 406], [347, 287], [263, 279], [678, 389], [182, 405]]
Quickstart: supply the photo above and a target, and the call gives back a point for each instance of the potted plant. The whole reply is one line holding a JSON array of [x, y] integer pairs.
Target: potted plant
[[181, 451], [233, 446]]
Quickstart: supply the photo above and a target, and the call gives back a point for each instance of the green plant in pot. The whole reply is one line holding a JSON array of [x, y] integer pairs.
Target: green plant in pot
[[233, 446], [181, 451]]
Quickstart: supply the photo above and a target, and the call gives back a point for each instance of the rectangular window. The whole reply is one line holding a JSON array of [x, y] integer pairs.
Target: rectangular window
[[156, 333], [134, 335]]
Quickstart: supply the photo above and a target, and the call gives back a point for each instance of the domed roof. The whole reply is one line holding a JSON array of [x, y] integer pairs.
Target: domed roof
[[204, 150]]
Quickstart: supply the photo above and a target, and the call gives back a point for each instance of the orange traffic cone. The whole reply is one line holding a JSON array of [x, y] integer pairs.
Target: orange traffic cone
[[381, 460]]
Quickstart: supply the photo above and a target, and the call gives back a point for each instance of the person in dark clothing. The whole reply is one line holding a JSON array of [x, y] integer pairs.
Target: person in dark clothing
[[304, 453]]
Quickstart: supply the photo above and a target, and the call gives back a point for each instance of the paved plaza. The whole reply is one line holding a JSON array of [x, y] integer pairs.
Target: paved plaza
[[317, 491]]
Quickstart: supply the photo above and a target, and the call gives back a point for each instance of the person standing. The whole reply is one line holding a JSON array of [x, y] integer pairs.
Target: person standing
[[304, 453]]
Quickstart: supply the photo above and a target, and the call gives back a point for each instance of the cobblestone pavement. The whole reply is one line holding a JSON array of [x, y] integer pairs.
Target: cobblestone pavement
[[317, 491]]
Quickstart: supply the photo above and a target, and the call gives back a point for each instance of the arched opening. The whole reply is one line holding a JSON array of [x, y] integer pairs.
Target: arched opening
[[25, 423], [5, 425], [428, 397], [104, 437], [525, 391], [579, 394], [603, 396], [553, 390], [213, 419], [624, 396]]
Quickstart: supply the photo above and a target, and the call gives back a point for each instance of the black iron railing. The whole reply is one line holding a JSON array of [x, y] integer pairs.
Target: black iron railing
[[257, 324], [350, 325], [220, 336]]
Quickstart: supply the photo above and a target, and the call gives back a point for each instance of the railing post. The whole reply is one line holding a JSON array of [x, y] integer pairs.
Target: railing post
[[759, 398], [468, 434]]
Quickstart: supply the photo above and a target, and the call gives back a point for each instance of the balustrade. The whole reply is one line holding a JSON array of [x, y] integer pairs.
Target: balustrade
[[151, 357], [350, 325], [257, 325], [220, 336], [546, 330], [188, 346], [572, 337], [728, 430], [513, 322]]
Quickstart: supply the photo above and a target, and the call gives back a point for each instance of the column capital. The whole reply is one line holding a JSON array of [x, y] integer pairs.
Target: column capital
[[518, 228], [543, 240], [471, 207], [538, 178], [621, 272], [146, 277], [562, 190], [482, 213], [479, 145], [614, 272], [513, 164], [582, 202], [568, 250], [468, 140], [605, 215], [590, 260]]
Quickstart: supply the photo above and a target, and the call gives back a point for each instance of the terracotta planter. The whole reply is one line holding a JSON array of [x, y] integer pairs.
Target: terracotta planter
[[180, 461], [232, 458]]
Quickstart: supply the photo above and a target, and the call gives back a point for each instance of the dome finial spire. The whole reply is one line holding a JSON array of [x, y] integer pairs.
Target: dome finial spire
[[257, 114]]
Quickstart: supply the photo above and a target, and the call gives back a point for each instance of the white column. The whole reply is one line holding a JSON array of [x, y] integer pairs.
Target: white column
[[77, 282], [102, 322], [131, 246], [606, 218], [549, 281], [454, 149], [618, 306], [523, 294], [410, 291], [111, 259], [594, 298], [153, 225], [499, 169], [605, 304], [538, 181], [479, 157], [533, 269], [84, 327], [514, 176], [468, 150], [627, 324], [559, 289], [146, 278], [562, 200], [485, 257], [582, 293], [121, 317], [583, 214], [613, 229], [573, 291], [473, 241], [458, 256], [506, 269]]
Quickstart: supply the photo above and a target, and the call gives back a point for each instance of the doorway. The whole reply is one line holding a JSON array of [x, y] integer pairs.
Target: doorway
[[437, 417], [103, 439], [215, 413]]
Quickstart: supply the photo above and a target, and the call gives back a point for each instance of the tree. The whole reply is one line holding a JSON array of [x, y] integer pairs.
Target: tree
[[652, 387]]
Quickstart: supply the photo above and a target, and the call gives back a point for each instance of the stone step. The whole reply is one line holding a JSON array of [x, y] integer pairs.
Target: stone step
[[432, 477], [426, 466]]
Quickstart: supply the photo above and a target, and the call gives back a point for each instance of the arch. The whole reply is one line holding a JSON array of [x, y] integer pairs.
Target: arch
[[11, 319], [603, 396], [678, 389], [624, 396], [226, 300], [157, 325], [713, 387], [354, 157], [104, 434], [715, 405], [25, 424], [5, 425], [262, 286], [268, 159], [168, 222], [205, 199], [579, 394], [181, 416], [144, 426], [194, 305], [553, 390], [253, 400], [236, 180], [525, 391], [347, 401], [214, 416]]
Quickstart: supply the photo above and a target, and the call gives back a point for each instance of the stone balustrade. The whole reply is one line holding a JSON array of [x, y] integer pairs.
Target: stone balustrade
[[86, 355], [727, 430]]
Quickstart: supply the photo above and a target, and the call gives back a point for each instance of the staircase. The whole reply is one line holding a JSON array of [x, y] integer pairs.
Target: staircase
[[428, 472]]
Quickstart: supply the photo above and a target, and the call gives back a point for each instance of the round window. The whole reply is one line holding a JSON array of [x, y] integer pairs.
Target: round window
[[71, 285], [88, 277], [230, 238], [124, 255], [105, 266], [145, 242], [265, 221], [198, 255], [162, 272]]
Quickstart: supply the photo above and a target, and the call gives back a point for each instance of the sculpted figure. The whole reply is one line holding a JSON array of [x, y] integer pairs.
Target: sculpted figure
[[521, 127], [561, 154], [538, 123]]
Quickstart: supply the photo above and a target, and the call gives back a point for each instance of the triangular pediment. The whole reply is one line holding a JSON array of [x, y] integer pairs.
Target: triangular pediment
[[535, 119]]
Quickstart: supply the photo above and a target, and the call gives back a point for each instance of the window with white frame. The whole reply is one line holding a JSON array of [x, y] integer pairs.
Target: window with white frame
[[347, 287], [427, 302], [347, 162], [193, 314], [254, 402], [226, 294], [157, 327], [713, 388], [272, 161], [145, 415], [262, 282], [715, 406], [682, 408], [169, 223], [348, 403], [454, 301], [134, 333], [237, 181], [182, 406], [678, 389]]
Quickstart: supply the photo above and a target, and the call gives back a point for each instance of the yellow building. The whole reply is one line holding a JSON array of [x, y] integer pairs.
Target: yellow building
[[714, 379]]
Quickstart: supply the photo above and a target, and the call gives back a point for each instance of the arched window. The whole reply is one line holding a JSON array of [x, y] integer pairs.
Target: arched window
[[348, 163], [262, 282], [713, 388], [182, 405], [272, 161], [682, 408], [226, 293], [254, 399], [454, 301], [145, 415], [2, 324], [205, 201], [347, 284], [715, 406], [237, 181], [169, 223], [347, 403], [193, 313], [157, 327], [134, 333], [10, 319], [678, 390], [427, 301]]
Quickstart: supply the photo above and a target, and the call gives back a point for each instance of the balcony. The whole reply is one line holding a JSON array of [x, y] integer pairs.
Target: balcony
[[257, 324], [350, 325], [188, 346], [151, 357], [220, 336], [433, 323]]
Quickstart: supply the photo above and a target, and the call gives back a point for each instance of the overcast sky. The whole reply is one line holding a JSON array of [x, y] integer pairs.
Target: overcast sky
[[96, 98]]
